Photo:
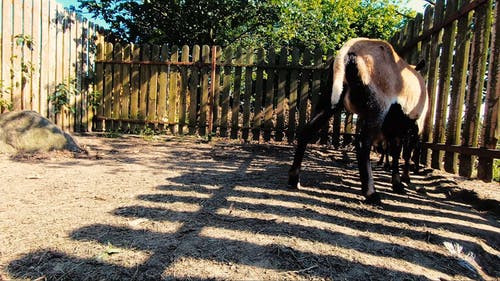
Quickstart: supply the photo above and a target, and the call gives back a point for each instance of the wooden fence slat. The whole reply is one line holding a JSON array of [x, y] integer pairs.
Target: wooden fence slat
[[184, 90], [108, 86], [117, 88], [204, 106], [226, 86], [17, 83], [52, 52], [7, 36], [479, 54], [457, 94], [491, 129], [125, 96], [153, 86], [173, 90], [259, 95], [77, 73], [27, 72], [99, 86], [135, 81], [163, 88], [269, 98], [72, 65], [432, 78], [36, 58], [235, 108], [144, 77], [292, 101], [247, 95], [193, 91], [281, 96], [304, 91], [417, 31], [216, 89], [445, 65]]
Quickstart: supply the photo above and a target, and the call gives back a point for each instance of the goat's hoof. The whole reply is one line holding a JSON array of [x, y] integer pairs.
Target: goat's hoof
[[398, 188], [387, 168], [293, 183], [373, 199], [405, 178]]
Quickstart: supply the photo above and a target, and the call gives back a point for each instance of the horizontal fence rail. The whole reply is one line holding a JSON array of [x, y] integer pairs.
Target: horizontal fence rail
[[460, 43], [249, 94]]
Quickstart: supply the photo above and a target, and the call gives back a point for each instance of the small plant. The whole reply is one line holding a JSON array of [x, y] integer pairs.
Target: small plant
[[111, 134], [94, 100], [147, 133], [496, 170], [27, 68], [5, 104], [25, 40], [61, 97]]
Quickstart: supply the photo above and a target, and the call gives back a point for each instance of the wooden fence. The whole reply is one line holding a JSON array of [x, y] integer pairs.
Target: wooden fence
[[461, 44], [248, 94], [41, 46]]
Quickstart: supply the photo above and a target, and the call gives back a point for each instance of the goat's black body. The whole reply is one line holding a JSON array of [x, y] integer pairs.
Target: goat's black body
[[396, 127]]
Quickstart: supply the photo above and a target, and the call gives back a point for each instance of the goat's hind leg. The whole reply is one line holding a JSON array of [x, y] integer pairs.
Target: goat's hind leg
[[363, 145], [305, 136], [395, 150]]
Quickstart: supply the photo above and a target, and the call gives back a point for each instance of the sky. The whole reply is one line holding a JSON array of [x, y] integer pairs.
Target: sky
[[417, 5]]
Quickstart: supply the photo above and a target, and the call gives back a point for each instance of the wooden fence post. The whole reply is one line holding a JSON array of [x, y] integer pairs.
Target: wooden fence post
[[184, 94], [193, 90], [173, 90], [281, 95], [292, 101], [445, 65], [457, 95], [235, 109], [491, 129], [247, 94], [269, 98], [259, 95], [479, 54]]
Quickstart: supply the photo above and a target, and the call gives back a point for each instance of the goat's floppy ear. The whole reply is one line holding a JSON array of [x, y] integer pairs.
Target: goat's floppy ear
[[420, 65]]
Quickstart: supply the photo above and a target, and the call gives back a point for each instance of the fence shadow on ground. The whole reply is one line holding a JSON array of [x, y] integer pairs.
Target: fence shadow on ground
[[230, 215]]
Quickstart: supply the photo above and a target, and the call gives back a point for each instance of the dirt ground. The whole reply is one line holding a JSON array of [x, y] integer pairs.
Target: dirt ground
[[179, 208]]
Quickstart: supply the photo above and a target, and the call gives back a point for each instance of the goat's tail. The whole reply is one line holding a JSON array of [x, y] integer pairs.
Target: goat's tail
[[338, 75]]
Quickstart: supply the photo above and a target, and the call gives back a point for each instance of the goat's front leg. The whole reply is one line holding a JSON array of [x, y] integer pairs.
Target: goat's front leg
[[305, 136], [395, 150], [363, 145], [408, 148]]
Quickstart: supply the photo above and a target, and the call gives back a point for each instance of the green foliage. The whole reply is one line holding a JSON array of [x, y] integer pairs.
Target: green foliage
[[5, 104], [149, 134], [112, 134], [60, 98], [496, 170], [94, 99], [25, 40], [294, 23]]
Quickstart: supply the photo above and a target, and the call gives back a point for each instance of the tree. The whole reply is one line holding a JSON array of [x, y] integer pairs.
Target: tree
[[294, 23]]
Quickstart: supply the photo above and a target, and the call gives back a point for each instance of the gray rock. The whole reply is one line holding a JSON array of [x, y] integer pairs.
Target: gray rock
[[30, 132]]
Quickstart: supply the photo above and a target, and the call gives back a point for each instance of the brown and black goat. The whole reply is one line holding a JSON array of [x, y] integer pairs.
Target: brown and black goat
[[388, 95]]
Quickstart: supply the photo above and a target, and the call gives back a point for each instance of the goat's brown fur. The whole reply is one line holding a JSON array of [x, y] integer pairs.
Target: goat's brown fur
[[386, 74]]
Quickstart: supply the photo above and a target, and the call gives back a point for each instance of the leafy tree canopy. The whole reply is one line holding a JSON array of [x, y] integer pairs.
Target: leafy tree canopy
[[305, 24]]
